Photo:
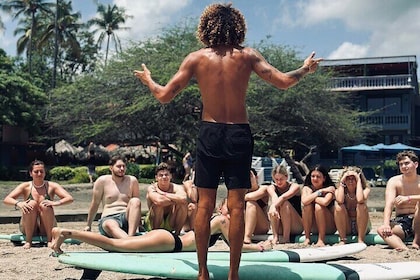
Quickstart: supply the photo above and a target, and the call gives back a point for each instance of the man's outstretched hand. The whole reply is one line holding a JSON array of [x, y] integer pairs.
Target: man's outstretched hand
[[144, 76], [311, 63]]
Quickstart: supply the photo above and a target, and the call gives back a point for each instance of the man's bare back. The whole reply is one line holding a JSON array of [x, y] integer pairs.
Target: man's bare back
[[223, 74]]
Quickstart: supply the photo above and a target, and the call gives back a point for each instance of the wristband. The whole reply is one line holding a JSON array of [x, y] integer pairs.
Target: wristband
[[16, 205]]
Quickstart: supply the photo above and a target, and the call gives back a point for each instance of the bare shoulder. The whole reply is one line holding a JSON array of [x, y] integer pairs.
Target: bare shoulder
[[252, 53], [102, 181], [54, 185], [295, 185], [394, 184], [395, 180], [133, 179], [178, 187], [23, 186], [152, 187]]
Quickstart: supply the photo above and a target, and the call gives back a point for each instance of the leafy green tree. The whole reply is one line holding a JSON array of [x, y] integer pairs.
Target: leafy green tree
[[28, 8], [21, 102], [62, 29], [109, 21]]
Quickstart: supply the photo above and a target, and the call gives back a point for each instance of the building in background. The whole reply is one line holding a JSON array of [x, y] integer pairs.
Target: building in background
[[386, 85]]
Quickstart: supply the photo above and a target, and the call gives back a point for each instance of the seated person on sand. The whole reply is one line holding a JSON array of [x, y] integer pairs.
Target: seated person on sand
[[351, 210], [192, 199], [285, 210], [38, 203], [318, 205], [167, 202], [157, 240], [256, 219], [402, 193], [120, 197]]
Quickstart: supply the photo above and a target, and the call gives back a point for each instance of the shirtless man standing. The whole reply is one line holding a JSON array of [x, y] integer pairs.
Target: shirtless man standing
[[403, 193], [167, 202], [120, 197], [222, 70]]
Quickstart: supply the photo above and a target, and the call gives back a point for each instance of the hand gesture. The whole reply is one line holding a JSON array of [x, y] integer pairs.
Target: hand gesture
[[144, 76], [311, 63]]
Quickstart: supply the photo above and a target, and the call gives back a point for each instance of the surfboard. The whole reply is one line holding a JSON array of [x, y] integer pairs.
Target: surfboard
[[293, 255], [19, 239], [188, 269], [370, 238]]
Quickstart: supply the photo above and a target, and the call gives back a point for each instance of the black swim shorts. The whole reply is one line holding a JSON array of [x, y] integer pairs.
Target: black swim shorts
[[406, 223], [224, 150]]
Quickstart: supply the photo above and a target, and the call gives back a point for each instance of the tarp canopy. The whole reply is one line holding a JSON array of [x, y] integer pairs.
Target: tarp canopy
[[397, 147], [379, 147], [360, 148]]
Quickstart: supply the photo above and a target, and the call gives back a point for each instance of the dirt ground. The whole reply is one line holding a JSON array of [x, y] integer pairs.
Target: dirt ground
[[36, 263]]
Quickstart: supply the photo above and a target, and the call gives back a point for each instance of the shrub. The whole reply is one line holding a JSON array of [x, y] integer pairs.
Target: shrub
[[103, 170], [147, 171], [61, 173], [133, 169], [80, 175]]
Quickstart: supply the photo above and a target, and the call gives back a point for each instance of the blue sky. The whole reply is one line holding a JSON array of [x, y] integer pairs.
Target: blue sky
[[333, 29]]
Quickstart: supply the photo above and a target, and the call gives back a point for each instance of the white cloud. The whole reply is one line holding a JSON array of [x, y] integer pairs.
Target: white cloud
[[392, 26], [349, 50], [148, 16]]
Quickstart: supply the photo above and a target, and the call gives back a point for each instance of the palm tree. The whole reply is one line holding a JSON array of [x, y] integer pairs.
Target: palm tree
[[63, 28], [108, 21], [27, 8], [1, 25]]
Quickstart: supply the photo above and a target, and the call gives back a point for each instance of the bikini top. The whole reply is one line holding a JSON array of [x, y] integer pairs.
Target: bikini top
[[47, 196]]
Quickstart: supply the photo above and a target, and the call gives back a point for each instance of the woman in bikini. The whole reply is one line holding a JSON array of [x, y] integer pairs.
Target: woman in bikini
[[351, 212], [157, 240], [38, 216], [256, 219], [318, 195], [285, 210]]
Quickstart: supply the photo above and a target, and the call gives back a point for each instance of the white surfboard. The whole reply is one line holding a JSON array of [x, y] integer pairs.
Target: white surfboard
[[311, 254]]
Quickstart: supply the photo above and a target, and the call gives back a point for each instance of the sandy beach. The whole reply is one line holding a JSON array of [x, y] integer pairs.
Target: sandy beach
[[36, 263]]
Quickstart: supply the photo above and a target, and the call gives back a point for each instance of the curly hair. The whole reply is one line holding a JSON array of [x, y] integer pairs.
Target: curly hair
[[410, 154], [221, 25]]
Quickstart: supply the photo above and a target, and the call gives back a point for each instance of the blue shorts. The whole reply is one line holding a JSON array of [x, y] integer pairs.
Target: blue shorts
[[223, 149], [120, 218]]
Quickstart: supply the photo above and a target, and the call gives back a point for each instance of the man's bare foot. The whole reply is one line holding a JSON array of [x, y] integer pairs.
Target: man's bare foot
[[320, 243], [284, 240], [247, 240], [401, 249], [415, 243], [307, 241], [275, 240], [57, 239], [204, 275], [27, 245], [342, 241], [266, 245]]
